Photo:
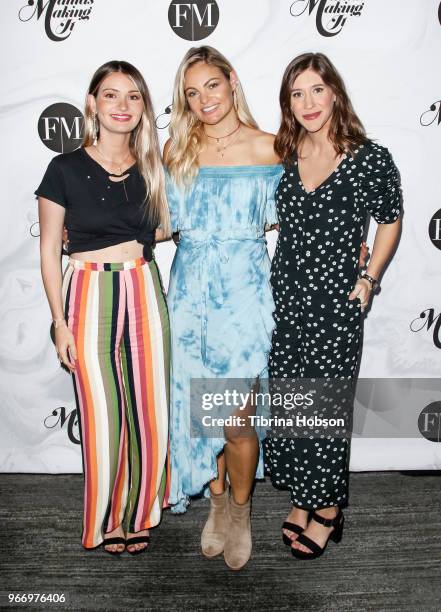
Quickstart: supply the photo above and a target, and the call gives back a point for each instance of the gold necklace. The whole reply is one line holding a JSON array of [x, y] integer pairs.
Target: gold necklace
[[221, 148], [119, 166]]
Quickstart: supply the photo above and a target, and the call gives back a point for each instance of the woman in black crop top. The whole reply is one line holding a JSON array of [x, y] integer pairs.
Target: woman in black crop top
[[109, 312]]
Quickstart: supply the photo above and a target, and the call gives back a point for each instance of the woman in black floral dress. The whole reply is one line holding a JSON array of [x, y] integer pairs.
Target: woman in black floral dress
[[334, 176]]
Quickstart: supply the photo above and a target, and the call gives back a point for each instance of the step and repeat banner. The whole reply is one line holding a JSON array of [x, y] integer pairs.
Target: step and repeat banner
[[388, 53]]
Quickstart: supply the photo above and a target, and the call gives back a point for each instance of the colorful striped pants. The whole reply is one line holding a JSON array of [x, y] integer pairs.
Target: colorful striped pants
[[118, 316]]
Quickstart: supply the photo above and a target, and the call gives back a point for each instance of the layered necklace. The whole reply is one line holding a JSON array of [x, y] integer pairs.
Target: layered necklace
[[220, 147], [119, 165]]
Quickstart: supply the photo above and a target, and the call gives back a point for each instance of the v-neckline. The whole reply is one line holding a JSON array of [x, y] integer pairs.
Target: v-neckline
[[325, 181], [109, 174]]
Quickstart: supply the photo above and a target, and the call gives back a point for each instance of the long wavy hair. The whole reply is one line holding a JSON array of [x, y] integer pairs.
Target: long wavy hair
[[346, 131], [144, 145], [186, 130]]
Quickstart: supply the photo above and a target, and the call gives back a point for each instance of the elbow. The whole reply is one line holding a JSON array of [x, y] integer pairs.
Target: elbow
[[50, 251]]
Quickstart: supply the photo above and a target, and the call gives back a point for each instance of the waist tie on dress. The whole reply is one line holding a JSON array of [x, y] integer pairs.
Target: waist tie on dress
[[212, 250]]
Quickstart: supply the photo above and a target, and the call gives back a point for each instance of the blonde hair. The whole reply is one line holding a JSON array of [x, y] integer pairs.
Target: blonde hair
[[144, 144], [186, 129]]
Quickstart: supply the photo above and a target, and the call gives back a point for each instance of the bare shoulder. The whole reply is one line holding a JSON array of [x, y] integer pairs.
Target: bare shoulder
[[166, 150], [263, 147]]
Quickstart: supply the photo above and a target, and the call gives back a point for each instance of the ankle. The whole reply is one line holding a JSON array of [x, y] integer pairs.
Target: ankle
[[328, 513], [141, 532], [218, 493], [241, 502], [218, 488], [299, 511], [240, 499], [113, 532]]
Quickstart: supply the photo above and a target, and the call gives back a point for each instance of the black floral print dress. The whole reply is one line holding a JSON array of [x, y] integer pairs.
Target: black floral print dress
[[318, 330]]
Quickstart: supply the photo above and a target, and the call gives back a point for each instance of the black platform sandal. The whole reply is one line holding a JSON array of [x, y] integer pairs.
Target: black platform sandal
[[316, 550], [145, 539], [110, 541]]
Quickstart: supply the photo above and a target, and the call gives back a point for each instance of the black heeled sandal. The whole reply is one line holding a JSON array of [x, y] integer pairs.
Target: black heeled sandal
[[145, 539], [110, 541], [294, 528], [316, 550], [291, 527]]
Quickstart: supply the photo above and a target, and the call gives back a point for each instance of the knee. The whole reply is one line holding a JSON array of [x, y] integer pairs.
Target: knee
[[240, 437]]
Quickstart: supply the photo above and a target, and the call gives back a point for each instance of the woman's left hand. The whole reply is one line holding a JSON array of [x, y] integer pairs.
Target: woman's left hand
[[363, 292]]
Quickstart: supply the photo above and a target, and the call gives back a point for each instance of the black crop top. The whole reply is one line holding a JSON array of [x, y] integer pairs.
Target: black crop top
[[98, 214]]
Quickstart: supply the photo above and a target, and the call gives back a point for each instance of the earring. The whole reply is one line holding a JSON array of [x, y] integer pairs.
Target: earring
[[94, 128], [235, 99]]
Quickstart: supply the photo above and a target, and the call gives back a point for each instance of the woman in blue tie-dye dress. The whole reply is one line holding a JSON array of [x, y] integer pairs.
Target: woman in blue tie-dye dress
[[222, 176]]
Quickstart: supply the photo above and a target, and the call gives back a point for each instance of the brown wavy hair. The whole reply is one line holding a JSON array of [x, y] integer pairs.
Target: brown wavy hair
[[144, 144], [346, 131]]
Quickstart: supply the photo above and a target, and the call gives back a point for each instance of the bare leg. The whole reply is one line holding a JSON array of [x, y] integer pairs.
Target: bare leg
[[218, 486], [241, 456]]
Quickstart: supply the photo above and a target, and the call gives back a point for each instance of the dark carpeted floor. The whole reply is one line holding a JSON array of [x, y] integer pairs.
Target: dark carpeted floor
[[389, 558]]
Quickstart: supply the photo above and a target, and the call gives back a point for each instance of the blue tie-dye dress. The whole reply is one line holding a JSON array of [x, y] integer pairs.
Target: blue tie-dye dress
[[220, 302]]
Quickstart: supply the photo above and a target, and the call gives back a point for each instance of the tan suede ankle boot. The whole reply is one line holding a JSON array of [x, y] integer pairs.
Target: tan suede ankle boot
[[215, 529], [238, 543]]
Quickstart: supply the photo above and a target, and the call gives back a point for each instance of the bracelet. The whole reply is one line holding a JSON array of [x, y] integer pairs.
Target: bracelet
[[58, 322], [371, 280]]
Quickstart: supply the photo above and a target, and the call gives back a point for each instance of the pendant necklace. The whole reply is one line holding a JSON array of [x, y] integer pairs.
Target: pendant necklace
[[119, 167], [219, 147]]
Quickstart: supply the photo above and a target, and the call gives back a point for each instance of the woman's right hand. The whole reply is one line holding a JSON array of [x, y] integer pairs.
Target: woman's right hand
[[364, 254], [65, 346], [65, 239]]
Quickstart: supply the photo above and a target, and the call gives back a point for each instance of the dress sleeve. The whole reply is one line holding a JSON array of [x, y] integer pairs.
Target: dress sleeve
[[271, 206], [380, 186], [174, 197], [52, 186]]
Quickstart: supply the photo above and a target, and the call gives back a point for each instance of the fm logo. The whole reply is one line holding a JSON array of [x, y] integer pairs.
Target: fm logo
[[429, 422], [435, 229], [193, 20], [60, 127]]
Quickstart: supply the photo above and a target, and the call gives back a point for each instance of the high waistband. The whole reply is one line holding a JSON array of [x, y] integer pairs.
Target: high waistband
[[107, 267], [228, 235]]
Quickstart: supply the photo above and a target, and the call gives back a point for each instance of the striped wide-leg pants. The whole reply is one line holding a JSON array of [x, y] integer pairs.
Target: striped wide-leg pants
[[118, 316]]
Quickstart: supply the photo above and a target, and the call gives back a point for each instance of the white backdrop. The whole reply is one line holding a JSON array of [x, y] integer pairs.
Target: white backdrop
[[388, 55]]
